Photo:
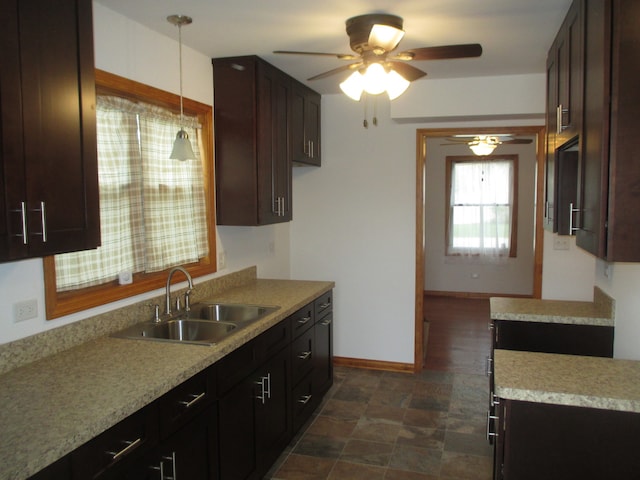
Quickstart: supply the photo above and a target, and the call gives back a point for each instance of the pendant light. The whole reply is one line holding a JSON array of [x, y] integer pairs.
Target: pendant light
[[181, 146]]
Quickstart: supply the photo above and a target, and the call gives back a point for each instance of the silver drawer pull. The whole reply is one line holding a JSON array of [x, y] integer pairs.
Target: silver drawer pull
[[194, 399], [23, 213], [303, 320], [325, 305], [304, 355], [326, 322], [304, 399], [129, 446]]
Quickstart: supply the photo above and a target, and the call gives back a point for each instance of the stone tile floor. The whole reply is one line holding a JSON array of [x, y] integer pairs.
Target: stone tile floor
[[394, 426]]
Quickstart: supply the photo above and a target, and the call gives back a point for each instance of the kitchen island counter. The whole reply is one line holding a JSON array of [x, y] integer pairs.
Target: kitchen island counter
[[573, 380]]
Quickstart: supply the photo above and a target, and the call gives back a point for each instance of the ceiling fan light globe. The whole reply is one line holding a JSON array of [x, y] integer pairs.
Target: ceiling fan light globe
[[375, 79], [353, 86], [385, 37], [482, 148], [396, 84]]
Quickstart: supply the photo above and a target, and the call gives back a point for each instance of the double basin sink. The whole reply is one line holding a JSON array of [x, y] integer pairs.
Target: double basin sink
[[206, 323]]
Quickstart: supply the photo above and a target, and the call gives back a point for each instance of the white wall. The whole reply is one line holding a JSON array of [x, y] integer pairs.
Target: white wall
[[450, 274], [622, 282], [566, 274], [131, 50]]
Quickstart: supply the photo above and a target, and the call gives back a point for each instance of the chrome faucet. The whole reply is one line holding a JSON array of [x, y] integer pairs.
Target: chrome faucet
[[167, 305]]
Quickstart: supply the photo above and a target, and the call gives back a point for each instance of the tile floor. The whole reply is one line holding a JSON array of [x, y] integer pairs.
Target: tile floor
[[383, 425]]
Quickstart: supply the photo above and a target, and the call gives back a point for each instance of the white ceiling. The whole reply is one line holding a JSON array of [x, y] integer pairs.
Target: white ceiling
[[515, 34]]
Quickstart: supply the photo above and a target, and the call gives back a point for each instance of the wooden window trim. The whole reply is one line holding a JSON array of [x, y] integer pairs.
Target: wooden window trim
[[65, 303], [513, 243]]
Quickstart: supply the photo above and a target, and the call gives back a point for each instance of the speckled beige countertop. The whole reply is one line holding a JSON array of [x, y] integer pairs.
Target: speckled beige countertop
[[599, 312], [595, 382], [55, 404]]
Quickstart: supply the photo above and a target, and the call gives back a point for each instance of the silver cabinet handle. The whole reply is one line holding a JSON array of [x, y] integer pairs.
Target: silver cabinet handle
[[326, 323], [195, 398], [130, 445], [304, 399], [490, 435], [265, 388], [303, 320], [174, 473], [43, 221], [489, 364], [490, 326], [560, 111], [325, 305], [304, 355], [572, 210], [23, 213], [311, 148]]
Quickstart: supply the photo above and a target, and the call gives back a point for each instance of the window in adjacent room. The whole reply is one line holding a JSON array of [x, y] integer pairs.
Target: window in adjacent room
[[154, 211], [481, 206]]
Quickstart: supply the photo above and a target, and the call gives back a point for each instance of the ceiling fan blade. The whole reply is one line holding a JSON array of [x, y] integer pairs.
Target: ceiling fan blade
[[351, 66], [519, 141], [409, 72], [341, 56], [443, 52]]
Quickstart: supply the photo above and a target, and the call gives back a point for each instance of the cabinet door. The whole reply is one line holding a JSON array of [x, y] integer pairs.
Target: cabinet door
[[59, 127], [274, 177], [273, 410], [552, 126], [570, 74], [237, 432], [312, 126], [593, 180], [190, 453], [305, 125], [323, 360]]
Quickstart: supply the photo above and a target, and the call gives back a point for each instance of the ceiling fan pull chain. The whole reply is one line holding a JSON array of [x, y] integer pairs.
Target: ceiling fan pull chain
[[365, 123], [375, 111]]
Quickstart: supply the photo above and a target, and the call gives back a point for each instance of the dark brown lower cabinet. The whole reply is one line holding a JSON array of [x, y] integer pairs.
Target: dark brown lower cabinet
[[254, 421], [569, 339], [229, 422], [558, 442], [190, 453]]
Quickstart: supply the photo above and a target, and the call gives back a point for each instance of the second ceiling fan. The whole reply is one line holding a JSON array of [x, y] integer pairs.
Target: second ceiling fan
[[374, 38]]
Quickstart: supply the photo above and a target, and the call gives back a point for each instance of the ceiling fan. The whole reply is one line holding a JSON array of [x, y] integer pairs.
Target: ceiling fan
[[374, 38], [485, 144]]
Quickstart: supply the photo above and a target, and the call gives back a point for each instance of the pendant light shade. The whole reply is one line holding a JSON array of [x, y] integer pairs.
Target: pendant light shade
[[182, 149], [374, 80]]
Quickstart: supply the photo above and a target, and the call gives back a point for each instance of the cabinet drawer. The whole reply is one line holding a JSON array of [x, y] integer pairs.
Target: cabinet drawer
[[323, 305], [302, 354], [303, 401], [302, 320], [184, 402], [118, 446], [236, 366], [274, 339]]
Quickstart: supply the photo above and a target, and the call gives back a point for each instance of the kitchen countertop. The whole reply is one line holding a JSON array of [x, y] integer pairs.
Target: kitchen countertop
[[55, 404], [594, 382], [600, 312]]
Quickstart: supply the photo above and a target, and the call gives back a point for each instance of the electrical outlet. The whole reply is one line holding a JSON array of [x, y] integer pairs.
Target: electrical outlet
[[25, 310], [222, 260], [561, 243]]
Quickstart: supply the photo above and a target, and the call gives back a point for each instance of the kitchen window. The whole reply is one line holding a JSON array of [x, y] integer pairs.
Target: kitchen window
[[155, 212], [481, 207]]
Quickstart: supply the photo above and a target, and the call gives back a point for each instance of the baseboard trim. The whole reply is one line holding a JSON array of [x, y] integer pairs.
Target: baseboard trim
[[442, 293], [373, 364]]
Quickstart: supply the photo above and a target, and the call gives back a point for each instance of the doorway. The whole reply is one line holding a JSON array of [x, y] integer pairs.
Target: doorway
[[422, 156]]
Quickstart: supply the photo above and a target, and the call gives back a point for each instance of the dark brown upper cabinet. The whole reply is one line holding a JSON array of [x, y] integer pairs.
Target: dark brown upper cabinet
[[48, 160], [265, 121], [253, 167], [609, 180], [305, 125], [565, 79]]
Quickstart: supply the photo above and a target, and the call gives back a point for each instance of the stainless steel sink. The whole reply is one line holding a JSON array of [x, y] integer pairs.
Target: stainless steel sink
[[207, 323], [194, 331], [236, 313]]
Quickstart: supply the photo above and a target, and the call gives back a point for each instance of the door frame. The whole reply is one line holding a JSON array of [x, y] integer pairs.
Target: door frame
[[422, 135]]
